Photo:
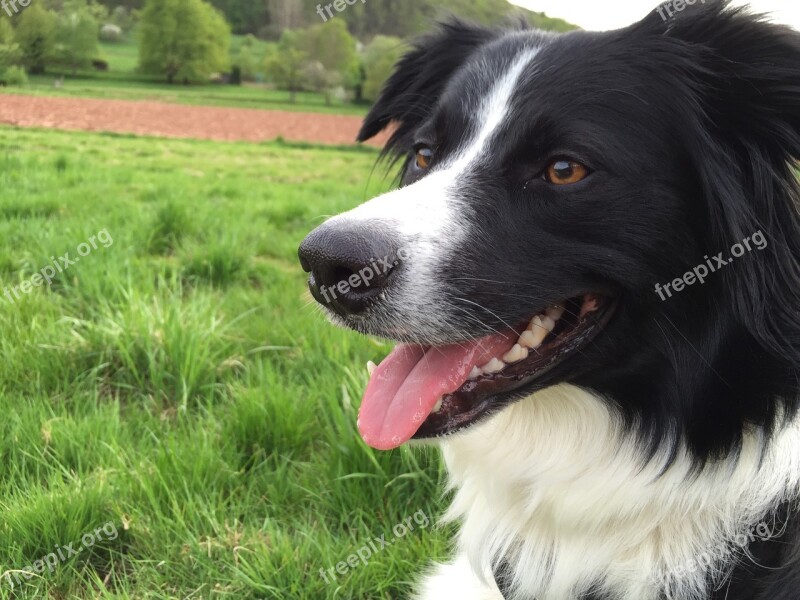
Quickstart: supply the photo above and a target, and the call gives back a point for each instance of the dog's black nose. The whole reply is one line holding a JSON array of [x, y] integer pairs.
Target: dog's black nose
[[349, 265]]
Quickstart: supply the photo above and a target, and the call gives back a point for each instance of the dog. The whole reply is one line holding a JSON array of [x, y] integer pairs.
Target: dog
[[591, 268]]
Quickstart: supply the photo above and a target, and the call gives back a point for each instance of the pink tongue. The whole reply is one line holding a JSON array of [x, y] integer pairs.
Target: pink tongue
[[405, 387]]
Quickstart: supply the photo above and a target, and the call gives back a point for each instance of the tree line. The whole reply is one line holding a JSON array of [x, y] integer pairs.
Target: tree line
[[328, 55], [189, 41], [61, 33], [268, 19], [181, 40]]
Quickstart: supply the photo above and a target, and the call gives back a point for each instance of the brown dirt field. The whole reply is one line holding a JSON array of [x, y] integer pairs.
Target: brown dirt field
[[178, 120]]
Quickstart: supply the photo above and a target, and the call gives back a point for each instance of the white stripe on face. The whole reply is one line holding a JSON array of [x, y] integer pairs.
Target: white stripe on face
[[494, 112], [429, 216]]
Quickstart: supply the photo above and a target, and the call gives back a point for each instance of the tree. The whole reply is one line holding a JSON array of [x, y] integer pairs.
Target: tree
[[34, 34], [380, 57], [76, 35], [285, 14], [285, 64], [245, 16], [9, 49], [99, 11], [185, 40], [124, 18], [401, 18], [332, 45], [10, 73], [321, 80], [111, 33], [246, 60]]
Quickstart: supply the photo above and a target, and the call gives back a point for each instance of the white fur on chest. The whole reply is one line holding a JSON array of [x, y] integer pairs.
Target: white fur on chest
[[554, 484]]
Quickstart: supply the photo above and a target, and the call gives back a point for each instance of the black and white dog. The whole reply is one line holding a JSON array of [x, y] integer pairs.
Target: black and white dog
[[592, 268]]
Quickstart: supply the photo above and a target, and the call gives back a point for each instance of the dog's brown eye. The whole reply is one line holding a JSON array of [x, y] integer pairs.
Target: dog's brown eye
[[565, 172], [424, 157]]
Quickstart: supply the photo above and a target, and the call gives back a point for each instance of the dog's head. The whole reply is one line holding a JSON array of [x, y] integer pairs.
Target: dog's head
[[554, 189]]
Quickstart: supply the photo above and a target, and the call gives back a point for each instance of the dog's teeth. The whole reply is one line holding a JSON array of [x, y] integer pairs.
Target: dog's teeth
[[516, 354], [371, 366], [548, 324], [493, 366], [528, 340], [475, 373], [438, 406], [540, 322], [534, 337], [555, 312]]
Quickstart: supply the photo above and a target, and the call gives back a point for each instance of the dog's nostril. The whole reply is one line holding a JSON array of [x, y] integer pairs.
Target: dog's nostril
[[342, 274], [350, 266]]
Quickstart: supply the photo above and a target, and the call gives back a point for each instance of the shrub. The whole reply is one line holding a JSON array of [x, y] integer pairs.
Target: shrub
[[111, 33], [247, 63], [322, 80], [14, 76]]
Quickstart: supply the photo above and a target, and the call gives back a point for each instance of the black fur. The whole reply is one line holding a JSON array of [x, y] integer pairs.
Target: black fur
[[418, 80], [691, 128], [691, 131]]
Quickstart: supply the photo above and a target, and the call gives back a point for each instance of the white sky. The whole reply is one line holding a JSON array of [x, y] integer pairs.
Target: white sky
[[611, 14]]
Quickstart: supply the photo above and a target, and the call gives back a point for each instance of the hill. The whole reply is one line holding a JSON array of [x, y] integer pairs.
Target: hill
[[366, 19]]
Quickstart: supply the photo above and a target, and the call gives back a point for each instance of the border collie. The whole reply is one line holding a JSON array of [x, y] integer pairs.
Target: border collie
[[608, 435]]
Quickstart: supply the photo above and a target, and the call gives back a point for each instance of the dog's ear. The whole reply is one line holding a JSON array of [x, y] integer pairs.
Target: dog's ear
[[752, 70], [419, 78], [745, 105]]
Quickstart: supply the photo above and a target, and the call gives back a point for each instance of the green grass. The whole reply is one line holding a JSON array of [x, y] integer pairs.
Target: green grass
[[179, 383], [122, 57], [245, 96], [123, 82]]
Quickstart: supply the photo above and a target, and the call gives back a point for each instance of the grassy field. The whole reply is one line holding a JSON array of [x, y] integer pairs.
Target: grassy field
[[122, 82], [177, 385]]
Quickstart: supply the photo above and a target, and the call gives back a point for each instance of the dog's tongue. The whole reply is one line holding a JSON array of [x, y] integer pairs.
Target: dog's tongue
[[404, 389]]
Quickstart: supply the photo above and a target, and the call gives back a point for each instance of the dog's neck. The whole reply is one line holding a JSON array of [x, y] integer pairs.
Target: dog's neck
[[559, 488]]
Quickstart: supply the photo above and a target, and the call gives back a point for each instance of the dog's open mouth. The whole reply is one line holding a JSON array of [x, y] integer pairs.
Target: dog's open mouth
[[429, 391]]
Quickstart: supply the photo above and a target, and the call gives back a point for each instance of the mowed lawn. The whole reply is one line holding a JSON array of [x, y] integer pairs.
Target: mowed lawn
[[180, 387]]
